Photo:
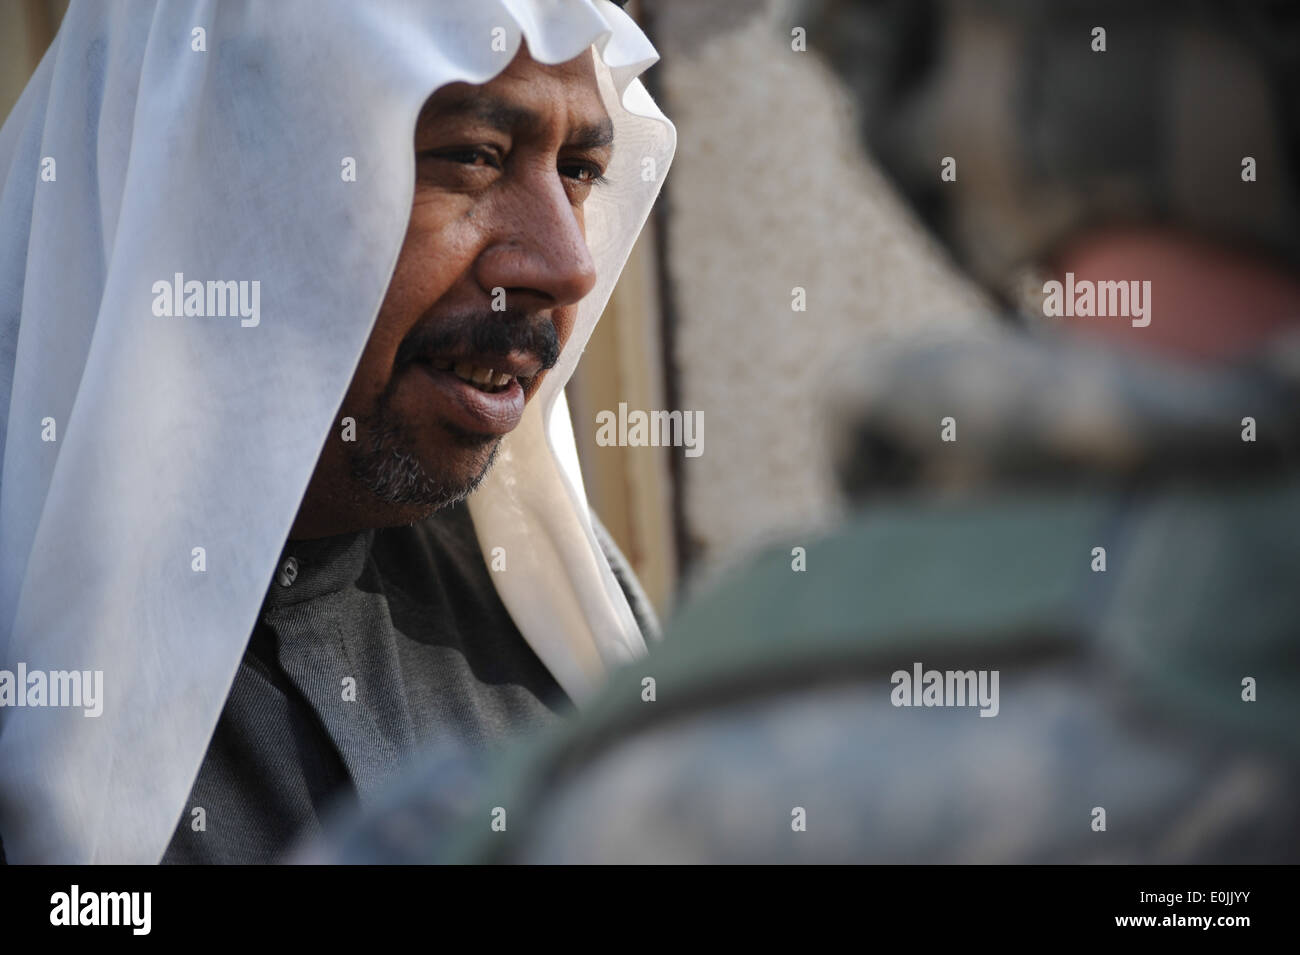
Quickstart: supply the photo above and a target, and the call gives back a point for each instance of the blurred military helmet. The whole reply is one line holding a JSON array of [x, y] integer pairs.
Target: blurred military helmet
[[1058, 115]]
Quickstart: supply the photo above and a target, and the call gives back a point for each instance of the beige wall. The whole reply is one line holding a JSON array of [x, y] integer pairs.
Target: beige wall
[[26, 28], [769, 191]]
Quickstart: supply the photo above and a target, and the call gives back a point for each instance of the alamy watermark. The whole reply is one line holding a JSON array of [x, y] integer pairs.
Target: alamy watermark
[[1088, 299], [946, 688], [651, 429], [213, 299], [74, 907], [62, 688]]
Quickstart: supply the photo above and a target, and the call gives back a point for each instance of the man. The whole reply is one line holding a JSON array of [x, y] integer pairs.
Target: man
[[1061, 627], [323, 275]]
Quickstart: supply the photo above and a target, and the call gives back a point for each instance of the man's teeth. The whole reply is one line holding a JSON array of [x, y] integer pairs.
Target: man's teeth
[[476, 374]]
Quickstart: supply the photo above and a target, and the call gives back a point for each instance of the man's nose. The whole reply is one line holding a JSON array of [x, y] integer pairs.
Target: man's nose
[[540, 249]]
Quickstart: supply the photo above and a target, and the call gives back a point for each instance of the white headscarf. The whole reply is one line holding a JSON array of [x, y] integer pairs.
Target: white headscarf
[[178, 433]]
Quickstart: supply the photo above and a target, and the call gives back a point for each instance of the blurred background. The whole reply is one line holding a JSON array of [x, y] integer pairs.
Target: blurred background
[[769, 190]]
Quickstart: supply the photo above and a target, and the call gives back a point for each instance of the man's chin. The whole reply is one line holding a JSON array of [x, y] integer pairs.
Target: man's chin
[[463, 469], [410, 486]]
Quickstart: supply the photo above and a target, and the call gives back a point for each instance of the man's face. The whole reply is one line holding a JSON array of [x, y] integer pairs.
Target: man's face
[[502, 171]]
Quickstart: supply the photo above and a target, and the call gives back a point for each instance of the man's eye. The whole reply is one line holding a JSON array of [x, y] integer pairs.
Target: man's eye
[[470, 156], [586, 174]]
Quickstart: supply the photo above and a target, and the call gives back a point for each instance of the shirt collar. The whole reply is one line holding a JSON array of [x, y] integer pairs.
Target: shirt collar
[[307, 569]]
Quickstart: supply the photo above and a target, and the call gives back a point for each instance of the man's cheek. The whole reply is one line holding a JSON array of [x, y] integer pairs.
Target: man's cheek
[[360, 398], [564, 323], [534, 386]]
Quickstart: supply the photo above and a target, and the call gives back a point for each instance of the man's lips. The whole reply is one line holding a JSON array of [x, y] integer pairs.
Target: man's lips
[[480, 395]]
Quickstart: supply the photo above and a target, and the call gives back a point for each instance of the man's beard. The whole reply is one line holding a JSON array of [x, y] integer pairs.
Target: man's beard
[[386, 465]]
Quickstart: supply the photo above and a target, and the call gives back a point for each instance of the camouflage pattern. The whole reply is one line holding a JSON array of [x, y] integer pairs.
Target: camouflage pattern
[[1034, 409]]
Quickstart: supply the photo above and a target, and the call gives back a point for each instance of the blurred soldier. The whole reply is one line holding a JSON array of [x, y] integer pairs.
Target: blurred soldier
[[1061, 627]]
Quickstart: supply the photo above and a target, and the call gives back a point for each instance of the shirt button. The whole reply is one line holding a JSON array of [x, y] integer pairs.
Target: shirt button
[[288, 572]]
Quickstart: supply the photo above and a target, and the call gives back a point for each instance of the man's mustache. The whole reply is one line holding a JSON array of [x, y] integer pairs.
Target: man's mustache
[[483, 333]]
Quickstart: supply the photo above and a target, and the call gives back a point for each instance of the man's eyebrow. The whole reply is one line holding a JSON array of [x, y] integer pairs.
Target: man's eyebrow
[[509, 117], [599, 135]]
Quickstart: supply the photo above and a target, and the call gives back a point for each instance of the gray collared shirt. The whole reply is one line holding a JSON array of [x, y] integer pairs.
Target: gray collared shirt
[[368, 645]]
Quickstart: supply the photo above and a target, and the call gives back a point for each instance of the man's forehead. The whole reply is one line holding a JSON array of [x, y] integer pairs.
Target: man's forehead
[[531, 97]]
